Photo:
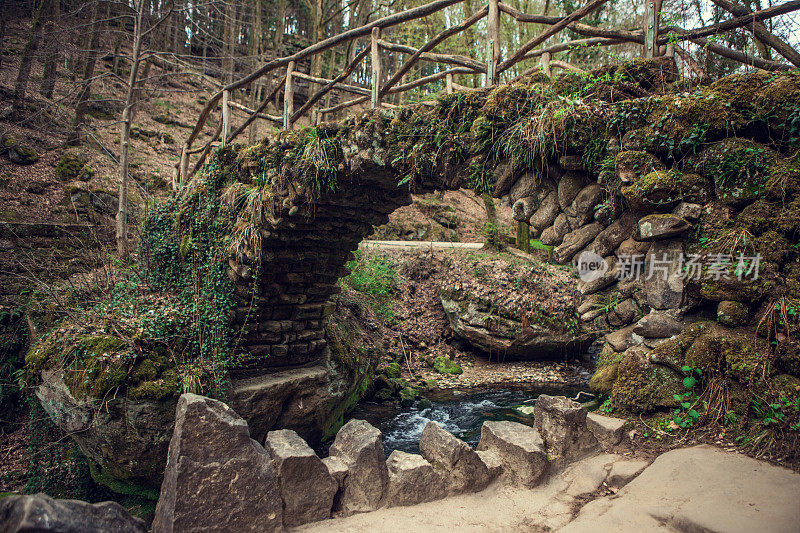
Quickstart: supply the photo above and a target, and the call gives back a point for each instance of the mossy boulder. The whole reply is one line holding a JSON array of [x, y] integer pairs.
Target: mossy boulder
[[603, 379], [445, 365], [642, 386], [392, 370], [408, 396], [732, 353], [17, 151], [72, 166], [665, 189], [732, 314]]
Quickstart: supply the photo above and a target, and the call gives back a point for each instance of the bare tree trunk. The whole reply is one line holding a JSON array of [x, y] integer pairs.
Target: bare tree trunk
[[227, 44], [125, 135], [24, 74], [88, 73], [2, 28], [51, 51], [255, 37]]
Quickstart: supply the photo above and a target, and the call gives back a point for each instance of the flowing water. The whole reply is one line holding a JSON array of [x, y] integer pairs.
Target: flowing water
[[460, 412]]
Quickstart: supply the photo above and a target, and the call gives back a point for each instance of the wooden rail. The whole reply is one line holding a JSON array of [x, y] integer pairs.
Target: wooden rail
[[652, 37]]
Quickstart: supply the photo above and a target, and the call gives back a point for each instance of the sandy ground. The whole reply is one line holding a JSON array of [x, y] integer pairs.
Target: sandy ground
[[692, 489]]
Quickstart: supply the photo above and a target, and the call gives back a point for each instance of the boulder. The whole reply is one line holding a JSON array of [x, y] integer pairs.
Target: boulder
[[523, 209], [40, 513], [631, 248], [615, 234], [16, 151], [336, 468], [561, 422], [608, 211], [623, 313], [657, 324], [663, 190], [575, 241], [622, 339], [525, 185], [492, 462], [412, 480], [554, 235], [664, 282], [217, 478], [608, 430], [520, 449], [307, 488], [547, 212], [360, 446], [569, 186], [464, 470], [688, 211], [582, 207], [606, 279], [505, 174], [660, 227], [642, 385], [730, 313], [127, 439]]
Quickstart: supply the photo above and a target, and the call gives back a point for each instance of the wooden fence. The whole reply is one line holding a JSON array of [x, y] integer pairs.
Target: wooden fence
[[655, 40]]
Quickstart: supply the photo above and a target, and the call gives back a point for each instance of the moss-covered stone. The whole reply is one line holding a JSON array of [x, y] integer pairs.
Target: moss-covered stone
[[445, 365], [642, 386], [665, 189], [392, 370], [602, 381], [731, 353], [408, 396], [72, 166]]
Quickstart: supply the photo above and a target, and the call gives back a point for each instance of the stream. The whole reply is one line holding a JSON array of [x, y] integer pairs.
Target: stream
[[460, 412]]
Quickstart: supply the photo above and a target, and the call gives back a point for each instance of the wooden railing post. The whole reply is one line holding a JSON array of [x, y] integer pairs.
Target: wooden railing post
[[545, 62], [288, 97], [524, 237], [376, 67], [449, 80], [184, 166], [226, 116], [650, 29], [492, 42]]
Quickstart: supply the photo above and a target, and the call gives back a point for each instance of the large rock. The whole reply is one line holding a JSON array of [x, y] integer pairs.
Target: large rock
[[42, 514], [575, 241], [703, 488], [660, 227], [623, 338], [581, 210], [664, 281], [465, 471], [547, 212], [561, 422], [569, 186], [554, 235], [523, 209], [126, 439], [614, 235], [657, 324], [520, 449], [217, 477], [413, 480], [307, 488], [360, 446], [300, 399], [609, 431]]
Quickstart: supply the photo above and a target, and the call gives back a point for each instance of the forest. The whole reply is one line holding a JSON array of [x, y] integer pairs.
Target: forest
[[345, 265]]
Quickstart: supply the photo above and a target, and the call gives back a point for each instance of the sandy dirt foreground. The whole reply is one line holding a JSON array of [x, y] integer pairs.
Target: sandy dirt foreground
[[689, 490]]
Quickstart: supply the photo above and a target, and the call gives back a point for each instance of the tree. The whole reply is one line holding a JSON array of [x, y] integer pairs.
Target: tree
[[88, 75], [32, 44], [137, 56], [51, 50]]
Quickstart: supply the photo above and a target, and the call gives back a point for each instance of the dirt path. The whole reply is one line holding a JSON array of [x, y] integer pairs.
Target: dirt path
[[692, 489]]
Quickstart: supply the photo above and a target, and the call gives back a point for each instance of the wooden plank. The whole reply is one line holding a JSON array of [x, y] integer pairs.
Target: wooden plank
[[649, 29], [544, 61], [449, 83], [377, 68]]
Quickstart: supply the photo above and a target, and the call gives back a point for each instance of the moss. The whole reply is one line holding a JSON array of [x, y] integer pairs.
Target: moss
[[408, 395], [664, 189], [392, 370], [72, 166], [603, 379], [445, 365], [120, 485], [642, 386], [732, 353], [167, 385], [739, 167], [42, 356]]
